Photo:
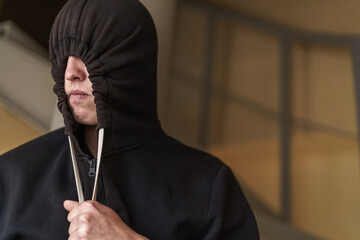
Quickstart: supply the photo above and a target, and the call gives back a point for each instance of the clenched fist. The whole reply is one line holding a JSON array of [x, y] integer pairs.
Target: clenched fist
[[91, 220]]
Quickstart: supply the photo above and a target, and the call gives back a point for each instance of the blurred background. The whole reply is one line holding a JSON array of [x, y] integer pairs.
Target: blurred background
[[270, 87]]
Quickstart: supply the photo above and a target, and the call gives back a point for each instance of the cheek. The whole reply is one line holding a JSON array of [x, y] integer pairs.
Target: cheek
[[67, 86], [88, 85]]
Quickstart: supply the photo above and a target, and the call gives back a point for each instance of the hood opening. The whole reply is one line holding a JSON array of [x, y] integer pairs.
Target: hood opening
[[116, 39]]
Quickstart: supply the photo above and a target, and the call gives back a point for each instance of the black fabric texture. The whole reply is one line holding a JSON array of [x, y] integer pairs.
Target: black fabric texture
[[117, 42], [160, 187]]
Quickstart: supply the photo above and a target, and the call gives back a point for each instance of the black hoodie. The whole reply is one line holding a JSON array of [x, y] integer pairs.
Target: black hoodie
[[161, 188]]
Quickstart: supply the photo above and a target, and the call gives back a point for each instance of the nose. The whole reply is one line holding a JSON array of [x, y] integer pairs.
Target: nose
[[75, 69]]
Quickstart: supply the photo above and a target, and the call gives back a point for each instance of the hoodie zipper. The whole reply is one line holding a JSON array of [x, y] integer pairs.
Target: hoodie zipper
[[92, 169], [92, 174]]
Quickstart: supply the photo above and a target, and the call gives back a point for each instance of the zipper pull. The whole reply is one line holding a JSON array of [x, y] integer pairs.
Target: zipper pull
[[91, 163]]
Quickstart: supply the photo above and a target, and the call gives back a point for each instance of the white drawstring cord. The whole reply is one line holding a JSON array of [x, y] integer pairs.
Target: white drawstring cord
[[100, 147], [76, 170], [76, 173]]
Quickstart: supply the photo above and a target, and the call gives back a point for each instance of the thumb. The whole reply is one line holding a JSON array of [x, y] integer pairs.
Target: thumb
[[69, 204]]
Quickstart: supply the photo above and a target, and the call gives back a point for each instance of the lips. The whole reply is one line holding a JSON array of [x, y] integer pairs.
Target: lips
[[77, 94]]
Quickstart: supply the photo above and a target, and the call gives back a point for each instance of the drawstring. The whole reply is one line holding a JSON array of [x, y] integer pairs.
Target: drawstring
[[100, 147], [76, 170], [76, 173]]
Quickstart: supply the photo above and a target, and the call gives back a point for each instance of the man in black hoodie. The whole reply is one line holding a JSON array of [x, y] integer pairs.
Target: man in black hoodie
[[104, 59], [90, 219]]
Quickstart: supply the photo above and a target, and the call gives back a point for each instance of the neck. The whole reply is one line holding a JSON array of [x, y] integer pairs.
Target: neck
[[91, 139]]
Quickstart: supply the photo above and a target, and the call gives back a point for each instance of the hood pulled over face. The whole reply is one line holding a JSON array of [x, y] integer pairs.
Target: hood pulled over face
[[116, 39]]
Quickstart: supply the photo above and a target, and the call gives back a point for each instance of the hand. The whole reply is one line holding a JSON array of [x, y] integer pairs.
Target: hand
[[91, 220]]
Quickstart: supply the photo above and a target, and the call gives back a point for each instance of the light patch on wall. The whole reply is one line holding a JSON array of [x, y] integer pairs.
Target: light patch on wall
[[14, 131], [25, 83]]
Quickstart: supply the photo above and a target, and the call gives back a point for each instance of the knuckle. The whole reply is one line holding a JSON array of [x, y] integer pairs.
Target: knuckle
[[85, 218], [69, 217], [83, 232], [88, 205]]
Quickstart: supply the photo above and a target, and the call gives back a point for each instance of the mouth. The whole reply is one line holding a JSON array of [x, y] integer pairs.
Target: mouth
[[77, 94]]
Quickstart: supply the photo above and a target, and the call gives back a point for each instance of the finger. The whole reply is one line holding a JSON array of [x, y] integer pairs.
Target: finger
[[69, 205], [73, 237], [81, 225], [95, 206], [74, 226], [91, 206], [73, 208], [81, 208]]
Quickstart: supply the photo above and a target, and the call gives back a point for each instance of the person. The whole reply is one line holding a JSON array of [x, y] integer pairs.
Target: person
[[114, 174]]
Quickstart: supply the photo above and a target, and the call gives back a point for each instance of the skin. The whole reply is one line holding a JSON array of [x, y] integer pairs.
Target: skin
[[78, 88], [89, 220], [92, 220]]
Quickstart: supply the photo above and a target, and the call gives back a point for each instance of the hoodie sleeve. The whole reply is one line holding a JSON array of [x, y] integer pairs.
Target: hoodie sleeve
[[229, 216]]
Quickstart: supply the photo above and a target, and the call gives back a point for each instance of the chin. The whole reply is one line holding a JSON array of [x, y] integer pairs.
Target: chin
[[85, 119], [86, 122]]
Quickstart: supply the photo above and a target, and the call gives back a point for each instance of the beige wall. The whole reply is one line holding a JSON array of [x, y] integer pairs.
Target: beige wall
[[14, 131], [245, 102], [335, 16], [323, 85], [246, 67], [183, 104]]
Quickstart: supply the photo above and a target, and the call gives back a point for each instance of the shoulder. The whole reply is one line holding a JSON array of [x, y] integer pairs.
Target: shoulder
[[39, 146], [25, 165], [177, 159], [183, 152], [211, 186]]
